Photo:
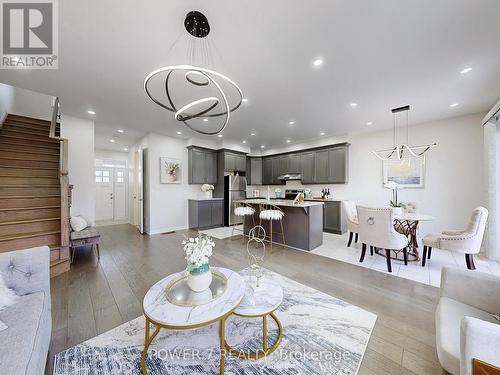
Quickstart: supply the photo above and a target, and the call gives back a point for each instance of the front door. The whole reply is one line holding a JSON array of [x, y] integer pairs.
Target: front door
[[104, 206], [120, 194]]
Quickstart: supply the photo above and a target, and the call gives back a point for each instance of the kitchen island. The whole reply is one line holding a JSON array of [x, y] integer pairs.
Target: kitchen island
[[302, 222]]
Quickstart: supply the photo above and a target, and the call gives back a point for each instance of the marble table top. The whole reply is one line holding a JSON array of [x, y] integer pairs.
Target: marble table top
[[282, 202], [158, 309], [414, 217], [261, 300]]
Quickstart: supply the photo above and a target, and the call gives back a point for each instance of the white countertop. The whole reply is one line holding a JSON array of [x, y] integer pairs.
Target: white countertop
[[282, 203]]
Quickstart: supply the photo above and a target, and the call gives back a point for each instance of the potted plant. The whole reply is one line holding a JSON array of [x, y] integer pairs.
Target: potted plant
[[198, 252], [397, 207], [208, 189], [172, 169]]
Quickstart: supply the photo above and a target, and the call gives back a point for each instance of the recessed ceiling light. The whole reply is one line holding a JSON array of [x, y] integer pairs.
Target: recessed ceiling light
[[219, 135], [465, 70], [90, 112], [125, 149], [453, 105], [243, 141], [112, 140], [369, 123], [205, 119], [252, 134], [353, 105], [179, 133], [244, 100], [288, 141], [262, 146], [318, 62], [120, 130], [291, 122], [322, 133]]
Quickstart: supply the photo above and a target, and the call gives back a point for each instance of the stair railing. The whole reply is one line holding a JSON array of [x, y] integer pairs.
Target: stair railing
[[64, 183]]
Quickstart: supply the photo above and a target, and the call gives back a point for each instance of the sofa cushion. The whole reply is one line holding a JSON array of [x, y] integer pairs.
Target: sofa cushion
[[449, 314], [24, 344]]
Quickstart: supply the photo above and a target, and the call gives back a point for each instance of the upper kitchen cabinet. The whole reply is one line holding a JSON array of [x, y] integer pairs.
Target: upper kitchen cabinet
[[294, 165], [338, 164], [321, 167], [307, 167], [234, 162], [267, 171], [254, 171], [202, 165]]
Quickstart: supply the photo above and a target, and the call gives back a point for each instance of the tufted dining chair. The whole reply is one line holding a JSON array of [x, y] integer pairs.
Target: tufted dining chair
[[376, 228], [270, 212], [352, 220], [243, 210], [467, 241]]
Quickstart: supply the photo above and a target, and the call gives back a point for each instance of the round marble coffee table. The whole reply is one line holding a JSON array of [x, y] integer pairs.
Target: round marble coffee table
[[161, 313], [260, 302]]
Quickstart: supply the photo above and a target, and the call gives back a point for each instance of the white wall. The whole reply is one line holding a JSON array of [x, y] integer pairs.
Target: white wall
[[6, 100], [111, 155], [80, 135], [454, 184]]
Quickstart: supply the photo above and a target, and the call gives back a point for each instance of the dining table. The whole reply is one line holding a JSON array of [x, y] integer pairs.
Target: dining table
[[407, 224]]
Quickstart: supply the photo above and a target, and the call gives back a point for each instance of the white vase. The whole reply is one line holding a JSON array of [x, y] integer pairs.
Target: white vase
[[199, 281], [209, 194], [172, 177], [397, 211]]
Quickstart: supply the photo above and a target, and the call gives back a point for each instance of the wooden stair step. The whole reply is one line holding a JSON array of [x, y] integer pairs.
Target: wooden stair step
[[17, 180], [6, 130], [28, 202], [59, 267], [14, 171], [30, 221], [29, 213], [29, 190], [26, 240], [29, 120], [25, 147], [15, 161], [22, 153], [35, 129], [46, 143], [17, 228]]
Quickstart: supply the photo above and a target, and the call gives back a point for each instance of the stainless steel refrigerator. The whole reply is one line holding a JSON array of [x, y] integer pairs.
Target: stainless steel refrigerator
[[235, 188]]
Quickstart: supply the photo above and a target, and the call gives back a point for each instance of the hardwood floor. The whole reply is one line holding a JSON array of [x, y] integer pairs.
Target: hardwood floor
[[95, 297]]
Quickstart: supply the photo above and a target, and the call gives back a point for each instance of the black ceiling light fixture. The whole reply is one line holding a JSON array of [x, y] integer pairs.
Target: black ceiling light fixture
[[215, 95]]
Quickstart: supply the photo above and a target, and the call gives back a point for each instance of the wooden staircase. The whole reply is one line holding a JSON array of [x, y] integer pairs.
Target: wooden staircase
[[34, 189]]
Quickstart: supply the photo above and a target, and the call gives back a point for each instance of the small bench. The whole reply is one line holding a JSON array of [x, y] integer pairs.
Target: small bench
[[87, 237]]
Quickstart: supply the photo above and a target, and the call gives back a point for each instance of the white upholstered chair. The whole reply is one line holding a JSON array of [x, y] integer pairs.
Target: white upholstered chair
[[466, 326], [271, 212], [352, 220], [376, 228], [243, 210], [467, 241]]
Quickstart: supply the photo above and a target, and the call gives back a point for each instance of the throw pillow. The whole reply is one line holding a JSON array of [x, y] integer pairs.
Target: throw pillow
[[78, 223], [7, 296]]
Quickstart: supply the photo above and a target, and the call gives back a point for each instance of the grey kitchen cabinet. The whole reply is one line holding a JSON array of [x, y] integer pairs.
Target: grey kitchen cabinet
[[276, 170], [202, 166], [254, 171], [234, 162], [321, 169], [206, 213], [333, 218], [294, 166], [307, 167], [338, 165], [284, 164], [267, 171]]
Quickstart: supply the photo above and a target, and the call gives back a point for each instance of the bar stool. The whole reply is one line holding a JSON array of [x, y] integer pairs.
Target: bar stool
[[271, 213], [243, 210]]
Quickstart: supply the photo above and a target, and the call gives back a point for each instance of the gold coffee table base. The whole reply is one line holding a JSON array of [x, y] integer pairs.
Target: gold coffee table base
[[265, 349]]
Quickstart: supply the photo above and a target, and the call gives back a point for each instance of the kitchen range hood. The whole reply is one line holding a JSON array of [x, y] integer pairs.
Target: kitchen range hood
[[290, 176]]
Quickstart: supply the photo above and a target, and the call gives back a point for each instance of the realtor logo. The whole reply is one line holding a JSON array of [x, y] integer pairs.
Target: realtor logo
[[29, 34]]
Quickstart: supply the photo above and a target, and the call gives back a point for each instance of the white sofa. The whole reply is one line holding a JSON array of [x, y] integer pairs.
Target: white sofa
[[466, 327], [24, 345]]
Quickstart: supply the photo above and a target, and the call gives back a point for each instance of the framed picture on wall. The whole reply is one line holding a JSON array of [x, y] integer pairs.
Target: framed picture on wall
[[170, 171], [408, 172]]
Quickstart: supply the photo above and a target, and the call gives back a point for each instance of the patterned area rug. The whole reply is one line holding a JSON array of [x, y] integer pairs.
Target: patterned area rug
[[321, 335]]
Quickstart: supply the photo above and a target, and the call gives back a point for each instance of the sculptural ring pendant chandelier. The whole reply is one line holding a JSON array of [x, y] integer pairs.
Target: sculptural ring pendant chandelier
[[398, 152], [225, 95]]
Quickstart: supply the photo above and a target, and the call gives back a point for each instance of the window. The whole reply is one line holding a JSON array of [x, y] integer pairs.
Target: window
[[98, 173], [119, 179], [105, 174], [98, 179], [105, 179]]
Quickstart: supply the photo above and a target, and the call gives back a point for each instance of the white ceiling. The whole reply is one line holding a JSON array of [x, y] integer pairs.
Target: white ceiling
[[379, 54]]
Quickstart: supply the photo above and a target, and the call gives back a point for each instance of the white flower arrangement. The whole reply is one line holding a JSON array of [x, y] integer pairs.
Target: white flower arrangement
[[198, 251], [207, 187]]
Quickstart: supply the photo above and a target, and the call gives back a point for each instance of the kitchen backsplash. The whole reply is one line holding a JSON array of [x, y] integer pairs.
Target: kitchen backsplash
[[315, 189]]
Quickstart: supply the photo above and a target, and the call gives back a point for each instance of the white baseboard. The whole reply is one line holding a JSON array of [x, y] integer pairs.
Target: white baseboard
[[166, 230]]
